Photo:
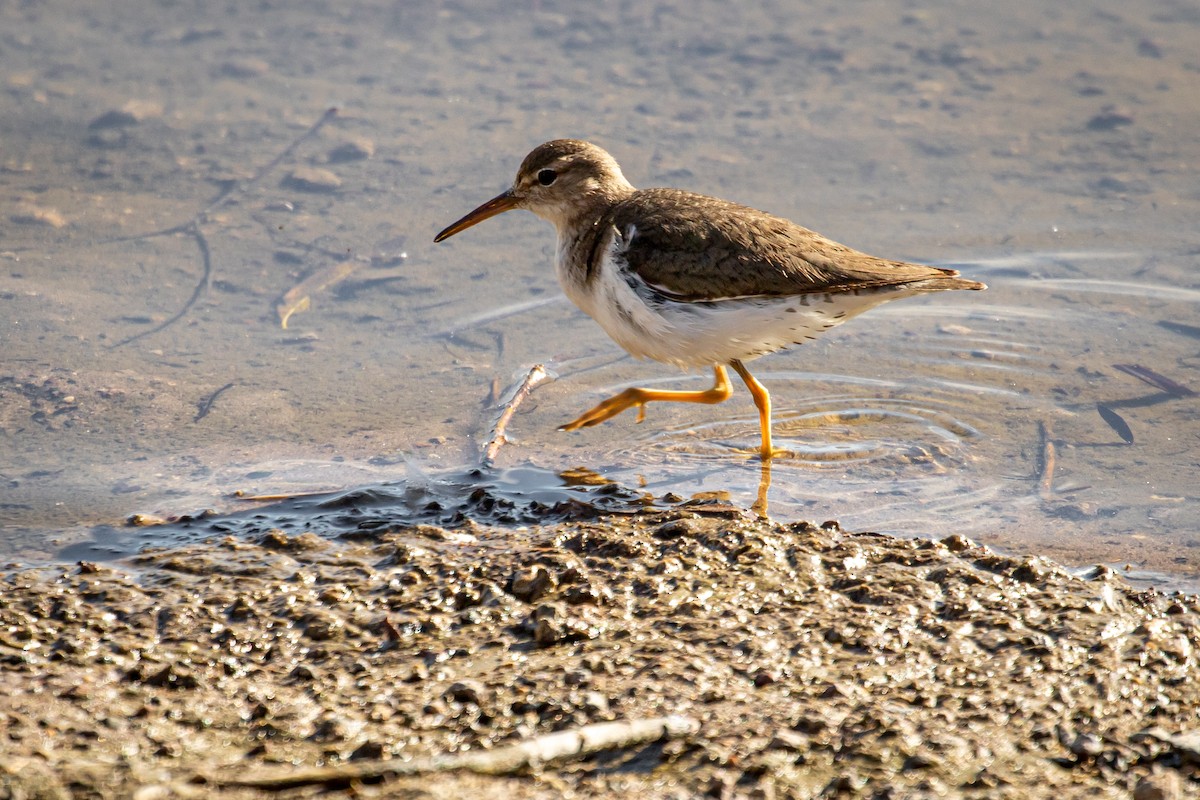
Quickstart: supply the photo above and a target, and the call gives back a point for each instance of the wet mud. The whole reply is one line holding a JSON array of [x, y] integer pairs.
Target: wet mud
[[806, 662]]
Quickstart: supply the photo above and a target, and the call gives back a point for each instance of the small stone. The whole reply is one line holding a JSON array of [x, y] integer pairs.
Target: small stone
[[354, 148], [1162, 786], [312, 179], [957, 543], [302, 674], [127, 115], [1086, 745], [595, 703], [1031, 570], [954, 330], [467, 691], [1148, 48], [29, 214], [545, 632], [578, 677], [330, 729], [787, 739], [244, 68], [172, 677], [917, 761], [531, 584], [367, 750], [677, 527], [764, 678], [1109, 118]]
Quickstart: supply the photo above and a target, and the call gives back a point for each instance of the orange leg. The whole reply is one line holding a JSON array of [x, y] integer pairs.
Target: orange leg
[[762, 399], [719, 393]]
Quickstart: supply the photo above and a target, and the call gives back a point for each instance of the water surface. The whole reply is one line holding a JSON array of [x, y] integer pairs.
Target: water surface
[[1049, 152]]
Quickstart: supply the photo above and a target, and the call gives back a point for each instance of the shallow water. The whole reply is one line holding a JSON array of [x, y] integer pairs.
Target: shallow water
[[1051, 153]]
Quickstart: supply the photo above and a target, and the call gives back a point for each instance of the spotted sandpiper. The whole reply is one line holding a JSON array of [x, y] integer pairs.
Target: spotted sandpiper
[[692, 280]]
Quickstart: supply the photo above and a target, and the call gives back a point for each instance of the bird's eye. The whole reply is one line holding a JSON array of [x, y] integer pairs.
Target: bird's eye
[[547, 176]]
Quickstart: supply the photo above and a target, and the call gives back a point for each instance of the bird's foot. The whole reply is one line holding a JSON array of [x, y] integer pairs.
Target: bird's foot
[[609, 409]]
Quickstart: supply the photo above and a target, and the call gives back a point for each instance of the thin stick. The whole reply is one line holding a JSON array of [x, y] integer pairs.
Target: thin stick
[[275, 498], [203, 286], [1046, 473], [192, 228], [553, 747], [241, 187], [206, 404], [233, 190], [537, 376]]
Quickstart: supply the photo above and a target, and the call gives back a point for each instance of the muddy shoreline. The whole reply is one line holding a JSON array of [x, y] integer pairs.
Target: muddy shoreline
[[814, 662]]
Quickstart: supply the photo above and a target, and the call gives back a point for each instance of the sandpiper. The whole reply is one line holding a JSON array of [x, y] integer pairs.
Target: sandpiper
[[692, 280]]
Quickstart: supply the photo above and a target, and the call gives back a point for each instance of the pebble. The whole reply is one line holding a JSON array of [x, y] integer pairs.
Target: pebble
[[1109, 118], [29, 214], [353, 148], [132, 113], [1160, 786], [244, 68], [531, 584], [312, 179]]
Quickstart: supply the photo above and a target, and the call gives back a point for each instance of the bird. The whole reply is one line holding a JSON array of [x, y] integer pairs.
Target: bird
[[692, 280]]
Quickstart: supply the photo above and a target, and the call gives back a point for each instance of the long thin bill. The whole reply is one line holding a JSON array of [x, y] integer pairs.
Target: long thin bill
[[497, 205]]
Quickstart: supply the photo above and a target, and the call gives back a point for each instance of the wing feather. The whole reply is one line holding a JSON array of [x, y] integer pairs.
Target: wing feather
[[696, 248]]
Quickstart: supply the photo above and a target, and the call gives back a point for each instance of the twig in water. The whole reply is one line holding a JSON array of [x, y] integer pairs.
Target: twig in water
[[1158, 381], [192, 227], [299, 296], [206, 277], [206, 404], [232, 190], [1116, 422], [275, 498], [537, 375], [553, 747], [1046, 472]]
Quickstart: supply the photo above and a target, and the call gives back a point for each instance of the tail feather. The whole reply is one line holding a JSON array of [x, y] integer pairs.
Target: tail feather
[[950, 279]]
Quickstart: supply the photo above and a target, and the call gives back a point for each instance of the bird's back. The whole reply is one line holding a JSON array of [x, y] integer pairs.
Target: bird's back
[[693, 247]]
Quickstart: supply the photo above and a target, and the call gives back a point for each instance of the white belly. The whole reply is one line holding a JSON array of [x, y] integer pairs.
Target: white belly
[[717, 332]]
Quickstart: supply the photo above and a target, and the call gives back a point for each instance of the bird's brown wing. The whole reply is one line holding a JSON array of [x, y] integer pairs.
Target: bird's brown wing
[[696, 248]]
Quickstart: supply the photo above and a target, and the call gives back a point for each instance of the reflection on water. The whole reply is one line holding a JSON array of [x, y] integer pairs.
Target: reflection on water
[[1002, 415]]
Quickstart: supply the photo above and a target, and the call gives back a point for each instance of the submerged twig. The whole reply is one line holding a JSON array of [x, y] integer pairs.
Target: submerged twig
[[276, 498], [1160, 382], [206, 404], [234, 189], [192, 227], [299, 296], [202, 286], [1046, 468], [1116, 422], [537, 375], [578, 743]]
